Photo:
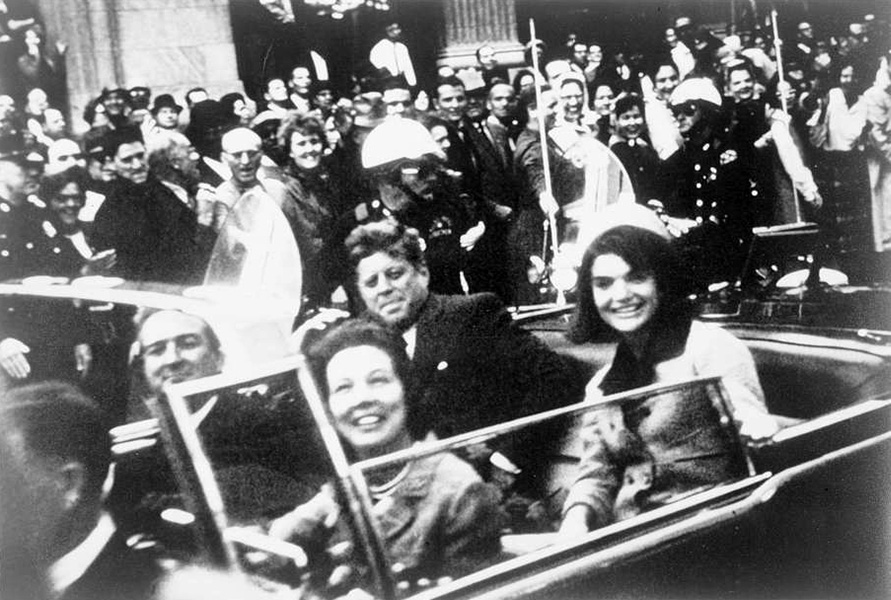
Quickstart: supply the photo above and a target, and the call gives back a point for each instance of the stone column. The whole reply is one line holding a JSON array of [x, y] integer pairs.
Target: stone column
[[167, 45], [471, 23]]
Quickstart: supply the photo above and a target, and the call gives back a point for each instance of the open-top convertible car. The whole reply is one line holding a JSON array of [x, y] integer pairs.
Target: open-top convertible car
[[802, 513], [208, 461]]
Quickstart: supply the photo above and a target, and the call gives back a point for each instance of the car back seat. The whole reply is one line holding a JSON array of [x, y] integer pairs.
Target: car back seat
[[804, 376]]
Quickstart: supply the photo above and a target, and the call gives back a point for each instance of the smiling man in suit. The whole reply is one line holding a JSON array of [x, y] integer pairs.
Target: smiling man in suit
[[473, 367]]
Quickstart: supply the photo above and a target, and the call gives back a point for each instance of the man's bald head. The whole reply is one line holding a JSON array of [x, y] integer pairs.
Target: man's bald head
[[242, 151]]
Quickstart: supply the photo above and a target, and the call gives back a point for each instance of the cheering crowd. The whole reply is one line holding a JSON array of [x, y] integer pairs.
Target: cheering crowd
[[413, 201], [707, 134]]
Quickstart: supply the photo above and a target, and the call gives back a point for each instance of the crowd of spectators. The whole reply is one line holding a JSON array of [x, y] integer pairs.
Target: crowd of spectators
[[409, 200], [707, 132]]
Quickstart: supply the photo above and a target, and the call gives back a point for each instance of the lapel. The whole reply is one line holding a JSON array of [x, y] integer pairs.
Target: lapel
[[426, 347]]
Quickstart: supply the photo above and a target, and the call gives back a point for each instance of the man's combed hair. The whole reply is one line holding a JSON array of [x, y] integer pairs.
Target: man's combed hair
[[51, 185], [388, 237], [57, 421], [116, 138]]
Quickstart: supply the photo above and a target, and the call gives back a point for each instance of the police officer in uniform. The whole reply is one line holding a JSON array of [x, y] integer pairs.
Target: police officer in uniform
[[39, 338], [711, 200], [414, 189], [25, 247]]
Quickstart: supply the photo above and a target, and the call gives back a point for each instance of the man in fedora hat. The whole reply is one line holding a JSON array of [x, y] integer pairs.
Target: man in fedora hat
[[166, 111]]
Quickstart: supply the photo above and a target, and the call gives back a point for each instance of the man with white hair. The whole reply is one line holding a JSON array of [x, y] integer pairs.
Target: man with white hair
[[243, 153], [175, 162]]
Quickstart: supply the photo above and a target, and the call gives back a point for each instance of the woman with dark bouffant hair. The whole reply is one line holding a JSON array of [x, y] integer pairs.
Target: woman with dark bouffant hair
[[437, 517], [632, 285]]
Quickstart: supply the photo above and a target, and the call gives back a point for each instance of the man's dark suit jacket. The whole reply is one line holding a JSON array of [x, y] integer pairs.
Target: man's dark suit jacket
[[156, 236], [119, 572], [475, 368]]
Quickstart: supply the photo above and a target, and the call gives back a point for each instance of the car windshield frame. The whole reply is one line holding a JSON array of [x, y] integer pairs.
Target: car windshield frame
[[352, 479]]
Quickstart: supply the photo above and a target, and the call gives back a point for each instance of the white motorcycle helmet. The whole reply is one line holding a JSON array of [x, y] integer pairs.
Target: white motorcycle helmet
[[396, 139]]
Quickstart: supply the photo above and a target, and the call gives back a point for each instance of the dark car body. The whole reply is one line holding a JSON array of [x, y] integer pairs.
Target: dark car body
[[808, 517]]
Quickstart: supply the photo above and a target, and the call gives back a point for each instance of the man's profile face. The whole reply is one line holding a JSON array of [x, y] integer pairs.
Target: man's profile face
[[452, 102], [392, 288], [176, 347], [130, 163], [54, 123]]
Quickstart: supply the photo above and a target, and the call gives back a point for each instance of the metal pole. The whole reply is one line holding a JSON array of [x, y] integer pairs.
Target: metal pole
[[543, 137], [777, 43]]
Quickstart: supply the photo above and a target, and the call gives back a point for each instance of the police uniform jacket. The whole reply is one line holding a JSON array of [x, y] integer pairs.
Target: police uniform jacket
[[25, 245]]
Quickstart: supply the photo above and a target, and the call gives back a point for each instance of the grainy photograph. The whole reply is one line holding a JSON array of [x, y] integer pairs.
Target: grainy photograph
[[445, 299]]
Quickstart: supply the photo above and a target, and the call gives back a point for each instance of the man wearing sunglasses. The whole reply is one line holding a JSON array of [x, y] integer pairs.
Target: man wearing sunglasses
[[711, 198], [413, 187]]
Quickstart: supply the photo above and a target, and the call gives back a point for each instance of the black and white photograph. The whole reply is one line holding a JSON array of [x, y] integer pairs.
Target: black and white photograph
[[445, 299]]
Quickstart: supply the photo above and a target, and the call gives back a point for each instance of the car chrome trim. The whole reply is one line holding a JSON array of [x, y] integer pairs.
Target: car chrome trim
[[487, 433], [580, 567]]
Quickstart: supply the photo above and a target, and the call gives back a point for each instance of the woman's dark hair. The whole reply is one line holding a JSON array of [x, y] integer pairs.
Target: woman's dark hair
[[228, 103], [645, 252], [51, 185], [518, 78], [352, 333], [91, 109], [627, 102]]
